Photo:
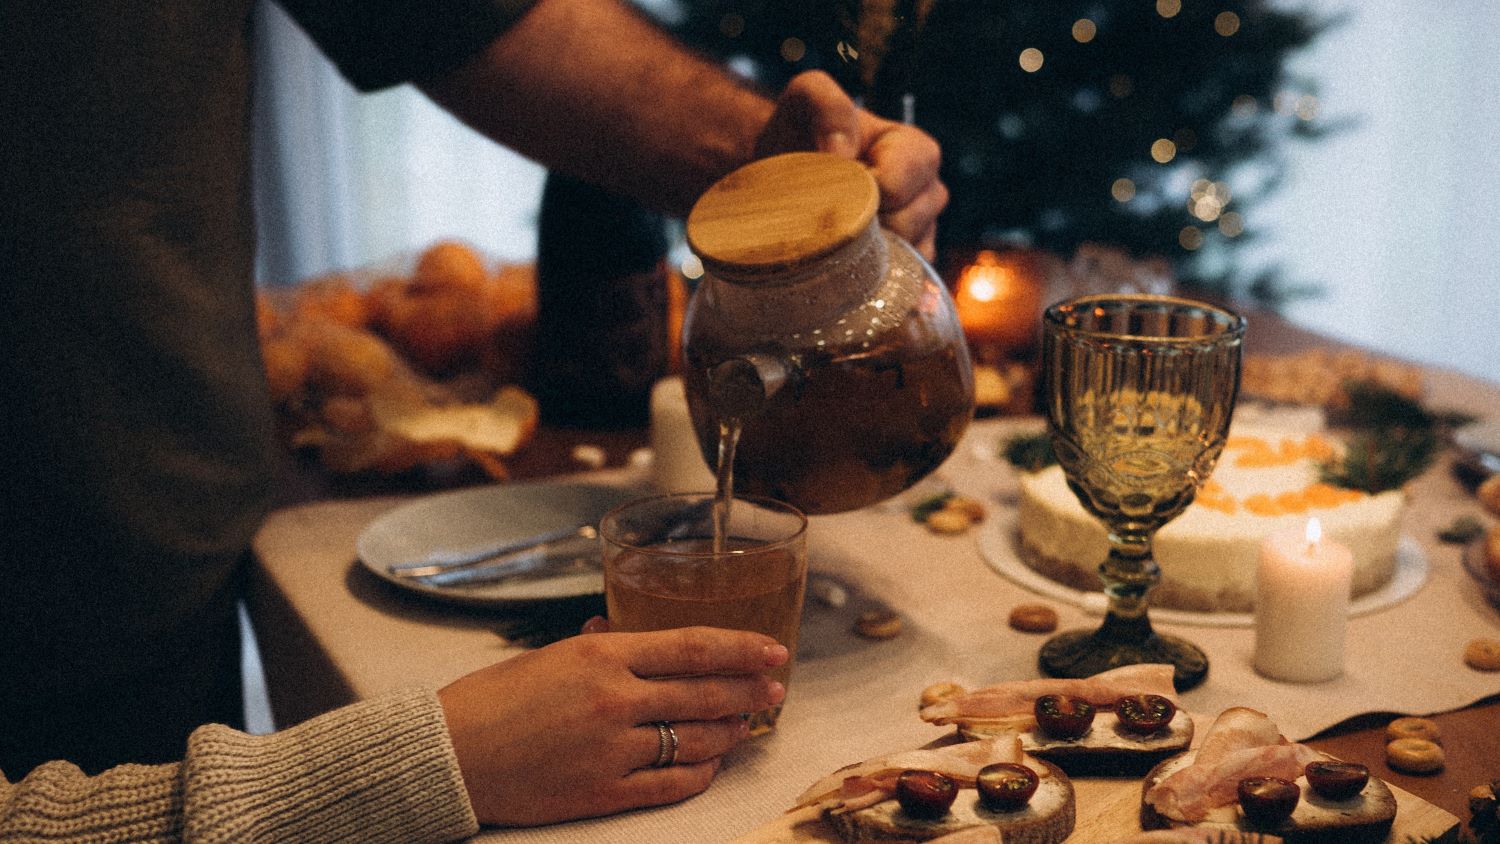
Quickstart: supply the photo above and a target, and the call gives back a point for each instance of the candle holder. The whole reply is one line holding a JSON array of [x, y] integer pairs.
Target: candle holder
[[1139, 391], [999, 295]]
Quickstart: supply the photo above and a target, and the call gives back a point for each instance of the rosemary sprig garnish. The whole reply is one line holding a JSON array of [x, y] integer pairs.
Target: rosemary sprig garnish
[[1372, 405], [1395, 439], [1383, 459], [1029, 452]]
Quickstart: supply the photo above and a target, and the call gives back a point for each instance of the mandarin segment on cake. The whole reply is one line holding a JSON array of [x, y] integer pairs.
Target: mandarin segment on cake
[[1266, 480]]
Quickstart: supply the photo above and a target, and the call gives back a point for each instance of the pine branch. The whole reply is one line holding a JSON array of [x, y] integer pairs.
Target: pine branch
[[1395, 440], [1383, 459], [1087, 118]]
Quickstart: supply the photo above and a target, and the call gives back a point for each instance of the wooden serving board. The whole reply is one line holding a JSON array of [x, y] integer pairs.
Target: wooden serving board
[[1109, 809]]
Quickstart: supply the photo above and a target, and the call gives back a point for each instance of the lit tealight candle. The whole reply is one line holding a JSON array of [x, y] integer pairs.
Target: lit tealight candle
[[999, 301], [1302, 605]]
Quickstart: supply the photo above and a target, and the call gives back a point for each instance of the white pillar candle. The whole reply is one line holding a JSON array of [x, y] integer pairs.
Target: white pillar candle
[[1302, 605], [677, 464]]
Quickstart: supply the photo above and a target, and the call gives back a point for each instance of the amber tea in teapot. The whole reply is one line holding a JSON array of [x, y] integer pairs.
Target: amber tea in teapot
[[827, 343]]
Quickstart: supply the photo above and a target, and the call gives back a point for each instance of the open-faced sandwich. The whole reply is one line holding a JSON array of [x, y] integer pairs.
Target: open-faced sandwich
[[1245, 776], [992, 835], [920, 795], [1193, 835], [1120, 722]]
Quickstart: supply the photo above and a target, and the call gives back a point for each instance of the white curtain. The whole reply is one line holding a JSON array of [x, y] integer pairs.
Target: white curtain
[[347, 180]]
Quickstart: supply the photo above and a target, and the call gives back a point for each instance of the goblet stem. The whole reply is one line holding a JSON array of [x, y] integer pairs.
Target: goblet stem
[[1126, 636], [1129, 573]]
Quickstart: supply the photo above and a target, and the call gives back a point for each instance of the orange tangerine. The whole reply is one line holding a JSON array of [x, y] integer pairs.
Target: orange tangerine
[[450, 263], [331, 298]]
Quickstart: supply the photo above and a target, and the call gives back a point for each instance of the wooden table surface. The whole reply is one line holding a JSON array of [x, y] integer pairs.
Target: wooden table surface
[[1471, 736]]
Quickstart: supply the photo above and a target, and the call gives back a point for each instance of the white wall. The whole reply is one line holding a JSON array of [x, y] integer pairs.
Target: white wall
[[1398, 219]]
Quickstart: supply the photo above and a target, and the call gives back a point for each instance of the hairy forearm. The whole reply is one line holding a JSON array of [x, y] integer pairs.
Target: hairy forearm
[[591, 88]]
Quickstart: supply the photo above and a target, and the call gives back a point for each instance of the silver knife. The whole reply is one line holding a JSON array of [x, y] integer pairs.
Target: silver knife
[[565, 557], [445, 561]]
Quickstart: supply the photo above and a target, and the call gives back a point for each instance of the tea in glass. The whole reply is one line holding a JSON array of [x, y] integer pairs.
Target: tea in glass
[[664, 568]]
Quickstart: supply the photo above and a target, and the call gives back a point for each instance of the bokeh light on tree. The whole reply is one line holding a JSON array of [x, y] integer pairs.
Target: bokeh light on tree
[[1151, 125]]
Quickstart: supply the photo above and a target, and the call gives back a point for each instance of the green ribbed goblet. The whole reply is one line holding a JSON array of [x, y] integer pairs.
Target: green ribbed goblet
[[1138, 391]]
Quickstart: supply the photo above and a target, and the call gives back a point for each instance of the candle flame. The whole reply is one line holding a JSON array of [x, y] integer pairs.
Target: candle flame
[[1314, 533], [982, 280], [982, 288]]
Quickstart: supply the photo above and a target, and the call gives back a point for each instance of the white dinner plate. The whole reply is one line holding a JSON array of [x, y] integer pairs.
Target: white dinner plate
[[997, 545], [460, 521]]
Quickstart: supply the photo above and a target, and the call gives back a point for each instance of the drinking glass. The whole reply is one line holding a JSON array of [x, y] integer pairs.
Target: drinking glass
[[1139, 391], [684, 560]]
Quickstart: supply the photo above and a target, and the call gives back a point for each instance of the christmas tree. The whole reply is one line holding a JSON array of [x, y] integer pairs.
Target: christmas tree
[[1148, 125]]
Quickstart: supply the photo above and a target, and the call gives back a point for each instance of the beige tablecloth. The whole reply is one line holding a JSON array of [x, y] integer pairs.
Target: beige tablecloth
[[331, 632]]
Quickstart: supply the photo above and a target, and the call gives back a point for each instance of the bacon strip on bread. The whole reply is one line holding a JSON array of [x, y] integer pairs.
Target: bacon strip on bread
[[1241, 743], [1013, 701], [866, 783]]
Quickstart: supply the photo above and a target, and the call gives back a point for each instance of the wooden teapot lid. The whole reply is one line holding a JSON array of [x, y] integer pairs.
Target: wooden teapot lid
[[781, 213]]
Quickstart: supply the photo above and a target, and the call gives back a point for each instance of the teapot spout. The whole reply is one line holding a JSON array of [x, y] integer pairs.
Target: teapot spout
[[740, 386]]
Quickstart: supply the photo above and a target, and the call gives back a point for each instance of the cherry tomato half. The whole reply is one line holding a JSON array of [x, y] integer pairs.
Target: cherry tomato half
[[1006, 786], [1144, 714], [1336, 780], [1268, 801], [1063, 716], [925, 794]]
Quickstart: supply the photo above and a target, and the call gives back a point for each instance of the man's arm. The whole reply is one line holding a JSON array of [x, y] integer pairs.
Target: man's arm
[[592, 88]]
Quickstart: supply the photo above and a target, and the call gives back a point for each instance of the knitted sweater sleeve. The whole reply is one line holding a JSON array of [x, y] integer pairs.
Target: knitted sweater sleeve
[[380, 770]]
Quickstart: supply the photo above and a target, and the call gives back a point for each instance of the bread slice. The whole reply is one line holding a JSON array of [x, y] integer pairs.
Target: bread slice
[[1365, 817], [1046, 819], [1105, 750]]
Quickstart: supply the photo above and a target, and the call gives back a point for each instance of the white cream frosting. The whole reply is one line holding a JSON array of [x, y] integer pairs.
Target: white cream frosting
[[1208, 556]]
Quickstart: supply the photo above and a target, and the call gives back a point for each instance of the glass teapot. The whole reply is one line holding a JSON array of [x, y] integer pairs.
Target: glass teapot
[[829, 343]]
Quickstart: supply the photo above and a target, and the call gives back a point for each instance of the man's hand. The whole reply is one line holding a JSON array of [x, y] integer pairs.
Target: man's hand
[[568, 731], [814, 113]]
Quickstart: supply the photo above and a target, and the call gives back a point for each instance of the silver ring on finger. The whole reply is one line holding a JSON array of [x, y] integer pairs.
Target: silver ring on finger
[[666, 745]]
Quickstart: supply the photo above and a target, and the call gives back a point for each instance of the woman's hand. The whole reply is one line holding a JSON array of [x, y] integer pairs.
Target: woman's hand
[[568, 731], [814, 113]]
